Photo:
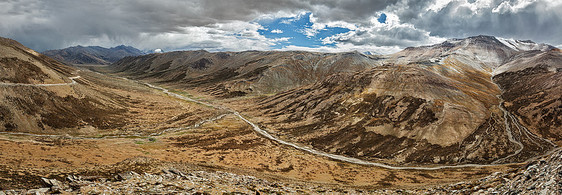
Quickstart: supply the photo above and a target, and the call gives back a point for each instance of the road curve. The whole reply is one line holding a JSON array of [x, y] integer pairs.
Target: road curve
[[509, 132], [317, 152], [42, 85], [258, 130]]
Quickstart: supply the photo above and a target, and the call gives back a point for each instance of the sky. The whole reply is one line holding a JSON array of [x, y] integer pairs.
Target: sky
[[376, 26]]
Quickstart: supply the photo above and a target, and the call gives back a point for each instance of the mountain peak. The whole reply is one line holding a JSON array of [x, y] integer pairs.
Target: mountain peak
[[513, 44], [122, 47], [524, 45]]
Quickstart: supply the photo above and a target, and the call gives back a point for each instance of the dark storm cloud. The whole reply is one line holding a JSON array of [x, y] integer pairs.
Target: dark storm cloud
[[353, 11], [536, 20], [43, 24], [51, 24]]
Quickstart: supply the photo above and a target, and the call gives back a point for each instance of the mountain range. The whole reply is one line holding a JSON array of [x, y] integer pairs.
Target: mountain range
[[480, 99], [455, 111], [92, 54]]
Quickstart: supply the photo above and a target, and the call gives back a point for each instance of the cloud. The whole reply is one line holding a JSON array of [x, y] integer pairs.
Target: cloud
[[231, 24], [344, 47], [232, 36], [507, 6], [277, 31], [377, 35], [537, 20]]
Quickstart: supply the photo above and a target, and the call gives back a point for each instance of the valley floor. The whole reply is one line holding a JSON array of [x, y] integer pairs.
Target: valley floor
[[185, 146]]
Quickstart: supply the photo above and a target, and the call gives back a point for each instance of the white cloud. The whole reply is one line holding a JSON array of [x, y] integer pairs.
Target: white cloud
[[318, 26], [391, 33], [277, 31], [282, 39], [371, 36], [535, 20], [291, 19], [232, 36], [315, 28], [345, 47], [506, 6], [438, 5], [267, 17], [199, 24]]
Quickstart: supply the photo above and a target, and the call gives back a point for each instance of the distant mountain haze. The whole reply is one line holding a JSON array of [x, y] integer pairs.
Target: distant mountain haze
[[92, 54]]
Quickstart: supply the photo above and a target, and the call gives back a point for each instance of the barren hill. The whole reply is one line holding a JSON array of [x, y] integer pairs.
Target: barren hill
[[40, 95], [433, 104]]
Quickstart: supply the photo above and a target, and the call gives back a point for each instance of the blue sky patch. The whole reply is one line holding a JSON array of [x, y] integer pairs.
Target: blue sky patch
[[382, 18], [294, 28]]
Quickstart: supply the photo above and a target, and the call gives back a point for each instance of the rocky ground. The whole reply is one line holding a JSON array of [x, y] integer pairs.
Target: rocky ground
[[175, 182], [141, 175], [541, 176]]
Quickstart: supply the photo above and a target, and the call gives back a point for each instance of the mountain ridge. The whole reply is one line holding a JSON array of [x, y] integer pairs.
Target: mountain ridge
[[231, 74], [92, 54]]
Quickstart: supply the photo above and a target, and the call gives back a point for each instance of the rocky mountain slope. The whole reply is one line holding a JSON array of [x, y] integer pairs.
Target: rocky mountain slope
[[231, 74], [532, 89], [31, 108], [541, 176], [92, 54], [482, 100], [173, 180], [433, 104], [429, 104], [41, 95]]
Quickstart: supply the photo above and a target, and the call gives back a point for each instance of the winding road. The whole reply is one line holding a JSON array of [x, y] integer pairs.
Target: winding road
[[42, 85], [264, 133], [509, 133], [511, 121], [100, 137]]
